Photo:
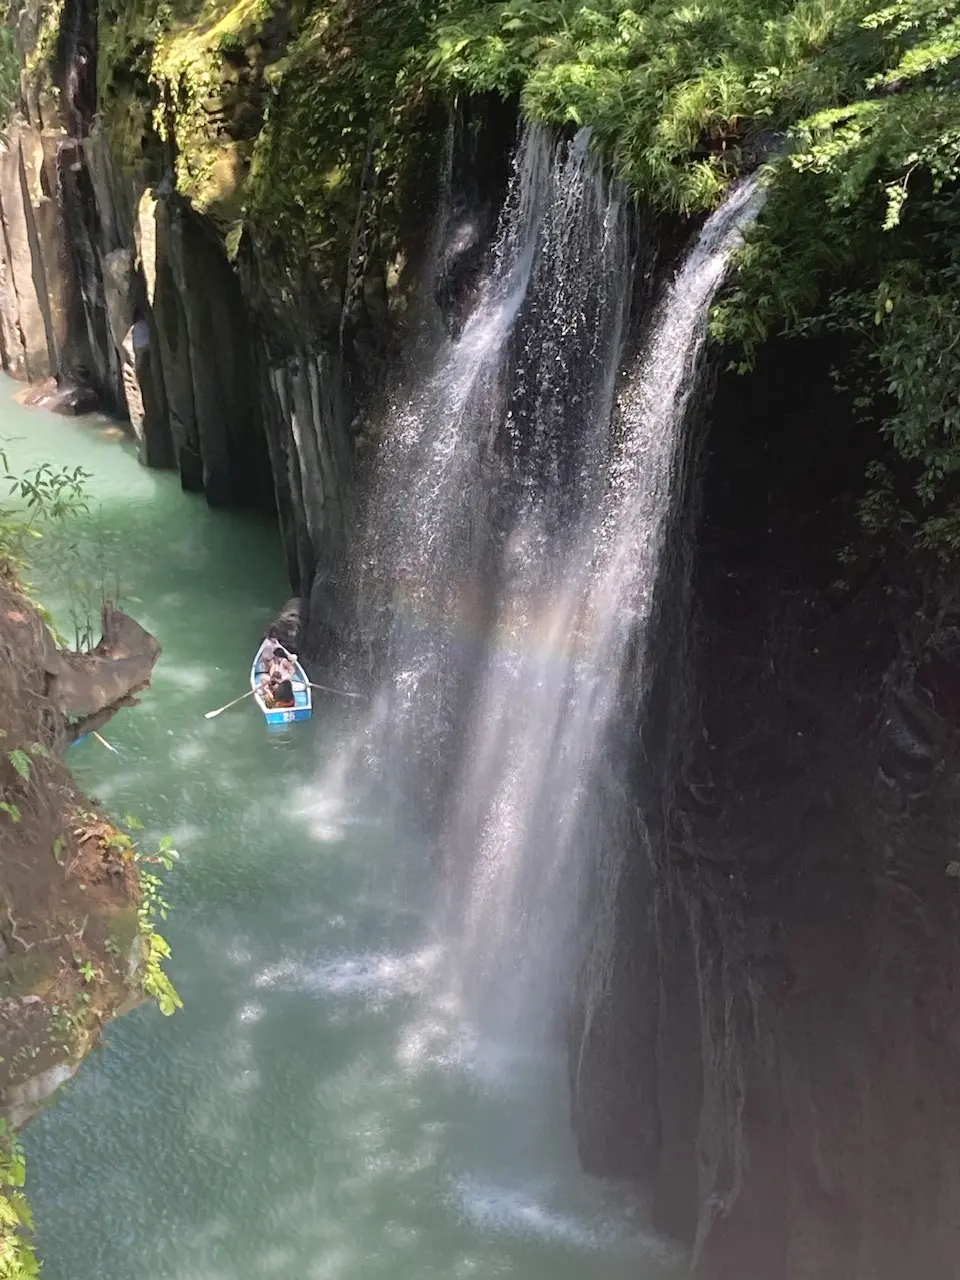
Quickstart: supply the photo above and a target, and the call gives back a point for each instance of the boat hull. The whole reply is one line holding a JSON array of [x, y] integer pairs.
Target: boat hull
[[286, 715]]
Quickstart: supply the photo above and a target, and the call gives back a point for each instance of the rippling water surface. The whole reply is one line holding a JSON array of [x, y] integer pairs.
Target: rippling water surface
[[318, 1110]]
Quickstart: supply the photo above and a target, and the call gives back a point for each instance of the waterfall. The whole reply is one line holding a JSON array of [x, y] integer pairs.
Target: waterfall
[[430, 526], [517, 539]]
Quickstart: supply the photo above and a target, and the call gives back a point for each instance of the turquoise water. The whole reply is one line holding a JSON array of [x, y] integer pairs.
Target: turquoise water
[[318, 1110]]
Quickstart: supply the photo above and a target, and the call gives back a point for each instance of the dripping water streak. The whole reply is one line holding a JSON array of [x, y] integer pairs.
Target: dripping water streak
[[530, 804], [641, 549]]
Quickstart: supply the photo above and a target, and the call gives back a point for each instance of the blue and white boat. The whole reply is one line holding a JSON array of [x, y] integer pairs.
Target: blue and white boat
[[302, 708]]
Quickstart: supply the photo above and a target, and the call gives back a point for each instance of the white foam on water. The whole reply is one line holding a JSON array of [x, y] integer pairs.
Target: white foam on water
[[386, 975], [518, 1211]]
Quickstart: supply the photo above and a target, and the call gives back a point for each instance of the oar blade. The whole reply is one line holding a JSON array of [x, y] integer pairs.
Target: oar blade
[[208, 715]]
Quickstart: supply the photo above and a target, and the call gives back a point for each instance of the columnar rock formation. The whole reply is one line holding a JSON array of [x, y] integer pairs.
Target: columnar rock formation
[[109, 280]]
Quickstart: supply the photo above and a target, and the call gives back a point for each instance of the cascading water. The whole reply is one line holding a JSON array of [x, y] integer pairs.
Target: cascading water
[[641, 568], [522, 517], [430, 529]]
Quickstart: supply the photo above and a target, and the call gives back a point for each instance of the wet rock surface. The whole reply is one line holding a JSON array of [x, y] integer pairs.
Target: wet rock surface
[[778, 1058]]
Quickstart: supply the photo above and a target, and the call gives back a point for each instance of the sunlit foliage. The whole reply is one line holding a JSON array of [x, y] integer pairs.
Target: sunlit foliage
[[853, 104]]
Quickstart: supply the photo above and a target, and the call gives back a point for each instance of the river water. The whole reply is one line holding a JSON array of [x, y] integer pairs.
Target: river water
[[318, 1110]]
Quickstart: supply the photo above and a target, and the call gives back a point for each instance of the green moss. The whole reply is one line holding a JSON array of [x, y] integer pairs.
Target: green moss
[[347, 97], [172, 63], [49, 15], [129, 126], [350, 121], [191, 76]]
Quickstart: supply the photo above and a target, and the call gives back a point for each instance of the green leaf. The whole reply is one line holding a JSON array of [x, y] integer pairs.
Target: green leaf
[[22, 1208], [21, 762]]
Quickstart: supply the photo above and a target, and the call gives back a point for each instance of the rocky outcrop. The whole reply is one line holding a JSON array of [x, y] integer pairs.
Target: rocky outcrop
[[79, 688], [89, 687], [286, 626], [163, 333], [33, 320], [70, 940]]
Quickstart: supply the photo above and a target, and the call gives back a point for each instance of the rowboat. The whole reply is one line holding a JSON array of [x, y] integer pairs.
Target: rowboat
[[303, 703]]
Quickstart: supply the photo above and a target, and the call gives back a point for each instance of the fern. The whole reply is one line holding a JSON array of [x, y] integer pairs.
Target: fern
[[18, 1261]]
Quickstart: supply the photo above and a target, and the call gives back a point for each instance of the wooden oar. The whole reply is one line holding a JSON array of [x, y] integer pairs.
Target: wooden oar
[[326, 689], [105, 743], [210, 714]]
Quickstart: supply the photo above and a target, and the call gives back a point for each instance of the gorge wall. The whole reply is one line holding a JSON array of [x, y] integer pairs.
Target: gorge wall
[[776, 1054], [112, 282]]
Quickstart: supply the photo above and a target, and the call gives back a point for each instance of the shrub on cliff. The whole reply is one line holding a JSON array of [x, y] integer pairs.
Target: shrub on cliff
[[17, 1258], [9, 73], [858, 101], [861, 238]]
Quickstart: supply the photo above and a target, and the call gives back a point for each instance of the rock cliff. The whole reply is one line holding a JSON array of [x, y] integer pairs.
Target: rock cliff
[[230, 371], [71, 946], [777, 1055]]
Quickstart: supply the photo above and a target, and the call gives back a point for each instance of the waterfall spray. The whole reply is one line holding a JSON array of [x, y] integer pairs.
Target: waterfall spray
[[521, 521]]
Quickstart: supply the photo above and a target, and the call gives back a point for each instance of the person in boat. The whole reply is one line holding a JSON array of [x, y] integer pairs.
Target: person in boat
[[283, 694], [276, 660], [283, 665], [268, 650], [276, 690]]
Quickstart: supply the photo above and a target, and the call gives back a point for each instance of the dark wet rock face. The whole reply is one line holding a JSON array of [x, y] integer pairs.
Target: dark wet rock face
[[286, 626], [780, 1055]]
